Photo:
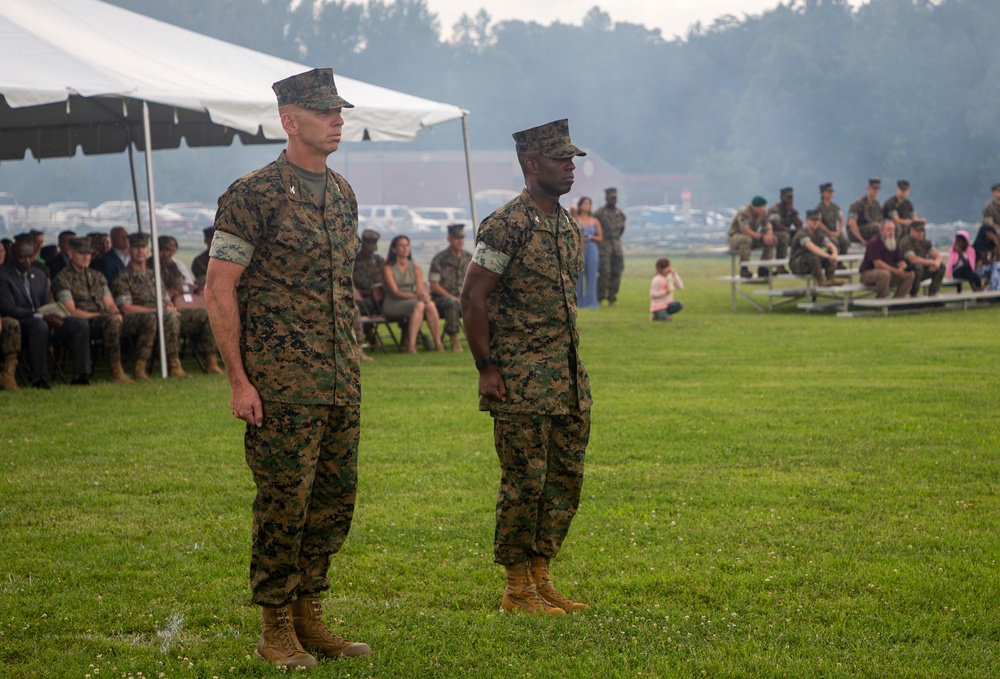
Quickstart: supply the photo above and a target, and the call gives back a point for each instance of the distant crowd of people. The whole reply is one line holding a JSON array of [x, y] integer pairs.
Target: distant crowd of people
[[898, 255], [98, 287]]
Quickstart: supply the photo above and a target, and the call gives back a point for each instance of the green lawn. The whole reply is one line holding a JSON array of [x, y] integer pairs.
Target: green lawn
[[780, 494]]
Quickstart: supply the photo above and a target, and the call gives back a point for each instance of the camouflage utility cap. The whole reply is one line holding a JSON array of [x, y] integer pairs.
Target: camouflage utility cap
[[610, 191], [823, 188], [138, 240], [81, 245], [995, 187], [812, 214], [551, 140], [313, 89], [370, 235], [456, 230], [875, 182], [903, 184], [787, 191]]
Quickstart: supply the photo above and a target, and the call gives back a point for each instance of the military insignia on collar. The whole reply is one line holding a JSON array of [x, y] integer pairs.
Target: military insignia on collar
[[291, 190], [536, 219]]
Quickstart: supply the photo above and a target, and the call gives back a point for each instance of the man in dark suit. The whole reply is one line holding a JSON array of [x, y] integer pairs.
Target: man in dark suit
[[114, 261], [23, 291]]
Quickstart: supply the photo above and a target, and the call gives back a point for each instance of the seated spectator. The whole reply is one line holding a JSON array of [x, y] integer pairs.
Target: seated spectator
[[199, 267], [170, 271], [134, 290], [832, 219], [987, 247], [100, 243], [368, 265], [662, 304], [921, 254], [785, 222], [962, 261], [114, 261], [24, 296], [750, 230], [85, 294], [813, 253], [405, 296], [447, 273], [10, 344], [883, 264], [60, 261]]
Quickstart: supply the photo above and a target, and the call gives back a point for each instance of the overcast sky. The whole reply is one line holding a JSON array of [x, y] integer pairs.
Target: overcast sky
[[672, 17]]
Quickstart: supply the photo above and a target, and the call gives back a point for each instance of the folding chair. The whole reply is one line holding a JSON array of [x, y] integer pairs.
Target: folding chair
[[373, 322]]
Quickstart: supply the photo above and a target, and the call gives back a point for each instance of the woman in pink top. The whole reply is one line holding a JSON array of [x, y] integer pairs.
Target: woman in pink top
[[962, 261], [661, 291]]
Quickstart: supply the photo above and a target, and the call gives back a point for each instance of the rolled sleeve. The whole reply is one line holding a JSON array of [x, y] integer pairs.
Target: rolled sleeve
[[231, 248], [490, 259]]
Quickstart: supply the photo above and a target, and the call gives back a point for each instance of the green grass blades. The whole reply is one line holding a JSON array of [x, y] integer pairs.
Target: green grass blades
[[767, 495]]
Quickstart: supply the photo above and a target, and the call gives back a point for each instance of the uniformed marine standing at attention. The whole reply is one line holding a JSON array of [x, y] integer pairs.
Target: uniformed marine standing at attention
[[519, 308], [280, 297], [611, 256]]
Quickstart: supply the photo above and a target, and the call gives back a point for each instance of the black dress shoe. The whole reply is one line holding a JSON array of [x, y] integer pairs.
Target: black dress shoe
[[40, 384], [81, 380]]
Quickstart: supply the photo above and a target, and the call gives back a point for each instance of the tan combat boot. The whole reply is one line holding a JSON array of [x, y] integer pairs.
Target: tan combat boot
[[118, 373], [521, 595], [175, 368], [212, 365], [278, 644], [456, 343], [8, 378], [543, 583], [140, 370], [307, 614]]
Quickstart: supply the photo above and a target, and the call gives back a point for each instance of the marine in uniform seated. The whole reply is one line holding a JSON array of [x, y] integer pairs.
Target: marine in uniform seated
[[926, 261], [446, 275], [813, 253], [85, 294], [832, 218], [785, 222], [864, 217], [899, 208], [750, 230]]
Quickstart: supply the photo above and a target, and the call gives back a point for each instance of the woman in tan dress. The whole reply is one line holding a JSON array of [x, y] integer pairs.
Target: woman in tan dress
[[406, 296]]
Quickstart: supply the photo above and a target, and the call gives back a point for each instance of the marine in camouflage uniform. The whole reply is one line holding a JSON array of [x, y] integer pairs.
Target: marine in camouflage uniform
[[199, 265], [280, 294], [749, 230], [819, 261], [446, 275], [367, 272], [519, 307], [833, 219], [611, 256], [785, 221], [10, 345], [921, 254], [865, 214], [900, 209], [85, 293]]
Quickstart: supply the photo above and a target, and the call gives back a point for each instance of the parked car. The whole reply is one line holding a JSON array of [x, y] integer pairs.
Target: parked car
[[201, 215], [390, 219], [122, 213], [68, 213], [438, 218]]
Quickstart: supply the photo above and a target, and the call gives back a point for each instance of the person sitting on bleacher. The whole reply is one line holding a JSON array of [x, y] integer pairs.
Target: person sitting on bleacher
[[751, 230], [813, 253], [987, 247], [962, 261], [884, 266], [921, 254]]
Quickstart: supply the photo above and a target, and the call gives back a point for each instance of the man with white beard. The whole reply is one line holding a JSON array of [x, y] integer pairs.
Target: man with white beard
[[884, 266]]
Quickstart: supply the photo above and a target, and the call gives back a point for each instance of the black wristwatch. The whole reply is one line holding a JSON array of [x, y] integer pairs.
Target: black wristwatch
[[484, 363]]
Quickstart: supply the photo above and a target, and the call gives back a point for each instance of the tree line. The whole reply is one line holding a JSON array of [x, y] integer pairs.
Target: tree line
[[808, 92]]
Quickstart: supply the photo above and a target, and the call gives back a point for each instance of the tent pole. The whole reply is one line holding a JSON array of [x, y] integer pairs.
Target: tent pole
[[131, 169], [157, 276], [468, 172]]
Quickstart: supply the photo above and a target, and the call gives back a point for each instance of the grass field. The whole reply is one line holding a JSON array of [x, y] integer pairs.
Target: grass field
[[781, 495]]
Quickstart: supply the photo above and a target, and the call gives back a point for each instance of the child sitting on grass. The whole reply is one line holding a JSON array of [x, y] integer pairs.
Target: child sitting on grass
[[661, 291]]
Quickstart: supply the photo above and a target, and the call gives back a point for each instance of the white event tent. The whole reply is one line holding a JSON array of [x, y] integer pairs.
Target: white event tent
[[89, 75]]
